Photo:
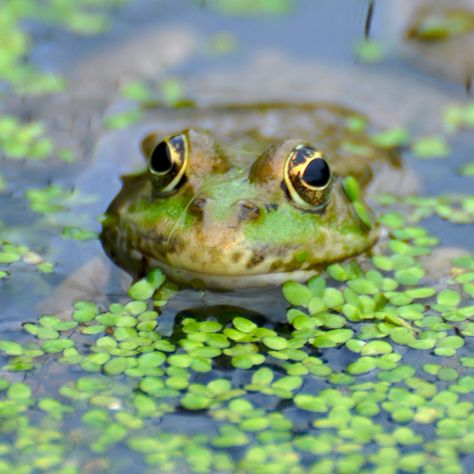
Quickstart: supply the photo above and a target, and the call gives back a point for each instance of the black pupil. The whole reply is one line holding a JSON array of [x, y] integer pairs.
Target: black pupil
[[160, 160], [317, 173]]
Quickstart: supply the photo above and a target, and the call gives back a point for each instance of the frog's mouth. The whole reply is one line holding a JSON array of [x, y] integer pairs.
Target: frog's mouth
[[137, 262], [230, 282]]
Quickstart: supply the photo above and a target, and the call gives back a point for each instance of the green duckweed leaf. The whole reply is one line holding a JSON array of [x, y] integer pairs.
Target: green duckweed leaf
[[195, 402], [19, 391], [431, 147], [448, 297], [141, 290], [362, 365], [332, 338], [11, 348], [296, 293], [244, 325], [369, 51], [275, 342], [351, 188]]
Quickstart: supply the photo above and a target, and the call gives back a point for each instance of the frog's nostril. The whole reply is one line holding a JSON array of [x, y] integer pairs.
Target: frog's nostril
[[197, 207], [248, 210]]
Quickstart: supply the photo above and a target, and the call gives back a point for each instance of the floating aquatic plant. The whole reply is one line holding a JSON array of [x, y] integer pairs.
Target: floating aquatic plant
[[81, 17], [381, 315]]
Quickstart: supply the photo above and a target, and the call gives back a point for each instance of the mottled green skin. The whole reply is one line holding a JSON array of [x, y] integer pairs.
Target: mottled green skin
[[220, 244]]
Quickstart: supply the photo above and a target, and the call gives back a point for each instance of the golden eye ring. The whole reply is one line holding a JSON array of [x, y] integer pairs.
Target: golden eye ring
[[167, 164], [308, 178]]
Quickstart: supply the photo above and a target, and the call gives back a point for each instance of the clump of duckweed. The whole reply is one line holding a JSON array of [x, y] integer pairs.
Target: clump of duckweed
[[251, 7], [457, 117], [435, 146], [168, 93], [455, 208], [371, 372], [28, 141], [369, 51], [54, 203], [55, 198], [12, 255], [352, 191], [467, 169], [431, 147], [81, 17], [391, 138], [19, 140], [221, 43], [76, 233]]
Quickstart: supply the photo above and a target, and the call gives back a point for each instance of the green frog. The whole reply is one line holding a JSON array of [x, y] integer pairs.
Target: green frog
[[247, 195]]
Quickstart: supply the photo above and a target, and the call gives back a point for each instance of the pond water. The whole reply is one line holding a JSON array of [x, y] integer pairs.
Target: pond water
[[366, 368]]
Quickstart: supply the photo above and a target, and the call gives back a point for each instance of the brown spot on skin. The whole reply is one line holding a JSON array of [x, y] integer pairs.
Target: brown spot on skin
[[257, 257], [154, 242], [197, 207], [281, 251], [248, 211], [236, 256], [271, 207], [276, 265], [292, 266]]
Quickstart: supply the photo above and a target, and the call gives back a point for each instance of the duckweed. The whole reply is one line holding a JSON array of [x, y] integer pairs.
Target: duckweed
[[222, 43], [248, 7], [369, 51], [23, 141], [123, 119], [458, 209], [466, 170], [456, 117], [76, 233], [376, 379], [16, 256], [169, 92], [81, 17], [391, 138], [430, 147]]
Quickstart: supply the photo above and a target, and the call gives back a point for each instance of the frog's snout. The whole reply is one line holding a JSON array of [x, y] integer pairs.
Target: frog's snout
[[243, 210]]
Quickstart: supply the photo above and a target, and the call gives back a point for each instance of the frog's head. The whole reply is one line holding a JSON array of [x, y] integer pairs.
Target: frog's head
[[228, 221]]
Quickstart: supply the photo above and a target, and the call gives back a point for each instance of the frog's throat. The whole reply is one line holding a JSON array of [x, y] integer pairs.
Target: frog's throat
[[230, 282]]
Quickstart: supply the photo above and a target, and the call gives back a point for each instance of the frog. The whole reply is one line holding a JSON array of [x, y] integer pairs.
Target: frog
[[247, 195]]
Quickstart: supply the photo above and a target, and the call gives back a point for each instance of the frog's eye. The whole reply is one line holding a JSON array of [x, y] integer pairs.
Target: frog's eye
[[308, 178], [167, 164]]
